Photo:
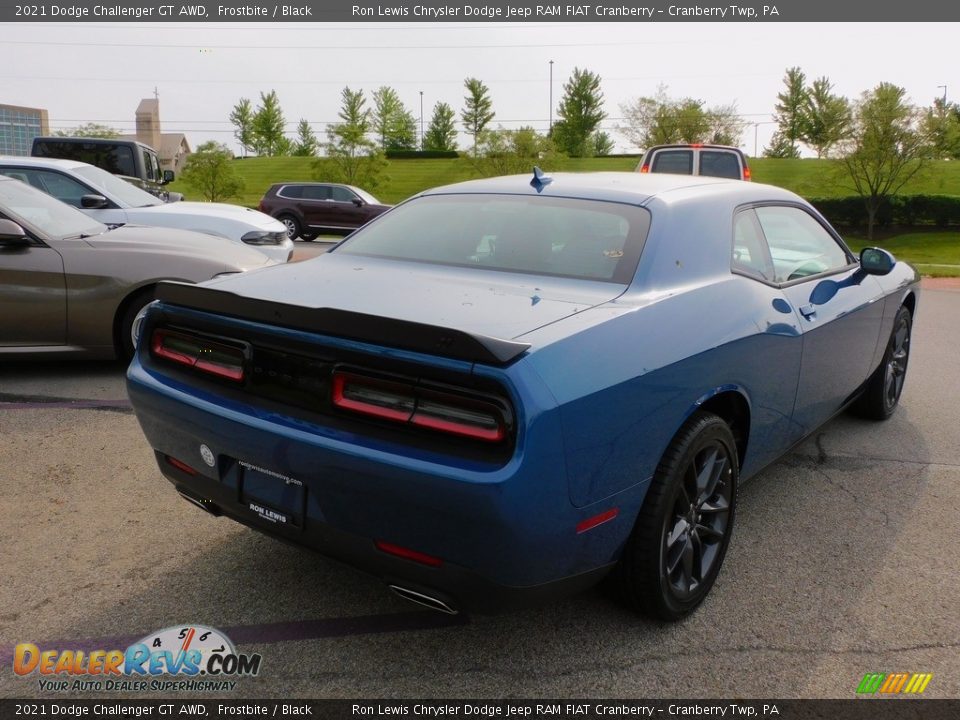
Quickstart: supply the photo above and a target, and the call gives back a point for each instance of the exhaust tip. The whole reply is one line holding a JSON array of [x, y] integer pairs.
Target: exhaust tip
[[420, 598], [202, 503]]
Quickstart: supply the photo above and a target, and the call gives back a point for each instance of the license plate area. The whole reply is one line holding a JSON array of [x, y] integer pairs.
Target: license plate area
[[272, 496]]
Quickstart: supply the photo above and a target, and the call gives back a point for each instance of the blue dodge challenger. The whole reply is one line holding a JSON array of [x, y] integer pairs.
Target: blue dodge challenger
[[506, 389]]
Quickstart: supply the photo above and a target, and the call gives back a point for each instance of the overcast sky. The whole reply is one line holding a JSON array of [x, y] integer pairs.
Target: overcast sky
[[98, 72]]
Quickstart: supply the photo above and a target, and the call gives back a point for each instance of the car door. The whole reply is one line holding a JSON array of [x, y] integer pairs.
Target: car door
[[314, 205], [839, 308], [33, 295]]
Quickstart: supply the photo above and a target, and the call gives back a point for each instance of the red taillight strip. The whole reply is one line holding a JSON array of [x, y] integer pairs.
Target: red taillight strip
[[180, 465], [408, 554], [418, 413], [229, 372], [592, 522]]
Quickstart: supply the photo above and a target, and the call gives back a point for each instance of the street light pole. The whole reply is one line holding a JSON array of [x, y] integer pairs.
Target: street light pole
[[944, 94], [421, 120], [550, 131]]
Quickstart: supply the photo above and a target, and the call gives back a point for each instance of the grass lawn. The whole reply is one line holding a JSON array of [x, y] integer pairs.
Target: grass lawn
[[932, 253]]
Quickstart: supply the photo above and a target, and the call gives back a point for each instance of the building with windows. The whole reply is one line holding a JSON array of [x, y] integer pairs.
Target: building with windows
[[19, 126]]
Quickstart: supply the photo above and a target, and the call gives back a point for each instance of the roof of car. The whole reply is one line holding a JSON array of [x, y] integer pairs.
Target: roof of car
[[27, 161], [627, 187]]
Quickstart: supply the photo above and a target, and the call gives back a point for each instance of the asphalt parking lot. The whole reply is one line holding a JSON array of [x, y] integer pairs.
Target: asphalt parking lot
[[844, 561]]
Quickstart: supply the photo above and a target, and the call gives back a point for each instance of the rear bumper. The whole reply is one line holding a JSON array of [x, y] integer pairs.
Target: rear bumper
[[506, 535], [457, 587]]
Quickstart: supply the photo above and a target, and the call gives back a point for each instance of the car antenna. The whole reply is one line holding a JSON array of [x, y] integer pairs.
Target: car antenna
[[540, 181]]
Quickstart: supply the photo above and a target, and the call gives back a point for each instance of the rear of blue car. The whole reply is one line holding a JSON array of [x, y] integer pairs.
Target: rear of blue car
[[439, 473]]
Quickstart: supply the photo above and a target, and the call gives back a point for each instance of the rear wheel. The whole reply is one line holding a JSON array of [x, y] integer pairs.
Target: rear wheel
[[681, 536], [308, 237], [292, 225], [882, 395]]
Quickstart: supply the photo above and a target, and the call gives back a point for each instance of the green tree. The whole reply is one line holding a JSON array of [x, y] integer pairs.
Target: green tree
[[442, 132], [209, 171], [477, 109], [780, 147], [580, 114], [307, 144], [791, 106], [90, 130], [403, 131], [662, 120], [242, 119], [941, 126], [825, 117], [512, 152], [268, 127], [885, 149], [602, 143], [352, 157]]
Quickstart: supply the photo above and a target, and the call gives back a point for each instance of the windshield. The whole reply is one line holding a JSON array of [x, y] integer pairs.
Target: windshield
[[24, 204], [365, 196], [120, 191], [562, 237]]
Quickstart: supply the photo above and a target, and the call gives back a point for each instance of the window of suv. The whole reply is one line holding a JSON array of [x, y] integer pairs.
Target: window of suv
[[676, 162], [315, 192], [342, 194], [720, 163]]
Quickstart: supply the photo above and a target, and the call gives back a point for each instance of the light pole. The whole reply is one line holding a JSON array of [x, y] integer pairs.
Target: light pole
[[550, 131], [944, 94], [421, 120]]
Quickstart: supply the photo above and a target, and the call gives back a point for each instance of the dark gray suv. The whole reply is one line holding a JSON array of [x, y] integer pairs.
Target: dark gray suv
[[311, 209]]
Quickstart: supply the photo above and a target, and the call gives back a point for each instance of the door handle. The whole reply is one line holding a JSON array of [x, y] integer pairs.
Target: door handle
[[808, 311]]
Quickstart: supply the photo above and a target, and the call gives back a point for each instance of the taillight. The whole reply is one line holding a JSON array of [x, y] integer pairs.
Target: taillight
[[645, 168], [180, 465], [408, 554], [213, 358], [746, 173], [422, 407]]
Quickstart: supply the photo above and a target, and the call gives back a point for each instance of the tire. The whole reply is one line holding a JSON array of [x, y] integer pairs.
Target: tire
[[131, 314], [881, 396], [308, 237], [292, 225], [683, 530]]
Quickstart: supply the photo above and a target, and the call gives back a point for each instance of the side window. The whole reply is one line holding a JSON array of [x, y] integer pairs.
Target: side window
[[60, 186], [750, 253], [315, 192], [149, 168], [799, 245], [341, 194], [291, 191]]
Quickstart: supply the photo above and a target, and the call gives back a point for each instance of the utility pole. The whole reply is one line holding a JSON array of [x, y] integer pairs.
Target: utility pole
[[421, 120], [944, 94], [550, 131]]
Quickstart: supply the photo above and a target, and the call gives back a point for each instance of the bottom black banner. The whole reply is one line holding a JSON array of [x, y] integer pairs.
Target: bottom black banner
[[863, 709]]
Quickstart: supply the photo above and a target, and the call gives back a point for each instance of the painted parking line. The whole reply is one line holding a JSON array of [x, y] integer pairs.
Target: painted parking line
[[9, 401], [269, 633]]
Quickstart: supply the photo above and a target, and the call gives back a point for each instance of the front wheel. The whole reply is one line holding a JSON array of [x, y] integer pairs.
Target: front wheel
[[881, 396], [681, 536], [131, 321]]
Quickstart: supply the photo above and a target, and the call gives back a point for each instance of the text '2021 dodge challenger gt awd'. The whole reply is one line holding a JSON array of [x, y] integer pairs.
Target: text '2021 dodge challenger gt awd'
[[504, 389]]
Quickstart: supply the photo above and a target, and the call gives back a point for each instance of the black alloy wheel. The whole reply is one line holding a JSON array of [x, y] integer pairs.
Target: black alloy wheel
[[683, 530], [881, 395]]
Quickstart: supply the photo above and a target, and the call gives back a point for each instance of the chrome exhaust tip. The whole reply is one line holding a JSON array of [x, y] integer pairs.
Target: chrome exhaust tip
[[426, 600], [201, 503]]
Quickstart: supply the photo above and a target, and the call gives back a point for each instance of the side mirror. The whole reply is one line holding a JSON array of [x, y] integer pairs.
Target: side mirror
[[12, 235], [168, 176], [358, 202], [93, 202], [876, 261]]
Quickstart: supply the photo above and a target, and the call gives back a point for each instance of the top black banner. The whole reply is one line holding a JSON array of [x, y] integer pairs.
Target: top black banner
[[431, 11]]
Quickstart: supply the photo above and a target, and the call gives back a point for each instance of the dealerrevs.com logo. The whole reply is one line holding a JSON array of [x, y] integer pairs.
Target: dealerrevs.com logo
[[181, 658]]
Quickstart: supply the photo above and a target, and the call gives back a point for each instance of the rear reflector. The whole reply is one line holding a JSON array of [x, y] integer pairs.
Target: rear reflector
[[407, 403], [746, 173], [644, 168], [180, 465], [408, 554], [592, 522], [199, 353]]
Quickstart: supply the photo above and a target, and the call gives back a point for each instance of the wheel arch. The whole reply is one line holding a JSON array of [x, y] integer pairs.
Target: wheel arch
[[732, 405]]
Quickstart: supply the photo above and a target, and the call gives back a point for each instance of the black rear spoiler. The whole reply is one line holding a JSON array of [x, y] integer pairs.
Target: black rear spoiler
[[401, 334]]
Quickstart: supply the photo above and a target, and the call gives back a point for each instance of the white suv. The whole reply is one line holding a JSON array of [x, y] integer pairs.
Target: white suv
[[113, 201]]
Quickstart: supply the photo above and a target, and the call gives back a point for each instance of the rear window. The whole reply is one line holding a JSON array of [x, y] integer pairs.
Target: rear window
[[676, 162], [720, 163], [562, 237]]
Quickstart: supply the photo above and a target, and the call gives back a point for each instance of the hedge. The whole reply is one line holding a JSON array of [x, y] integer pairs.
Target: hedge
[[901, 210], [420, 154]]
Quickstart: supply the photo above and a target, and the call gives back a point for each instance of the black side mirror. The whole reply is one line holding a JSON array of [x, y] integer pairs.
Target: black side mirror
[[357, 201], [168, 176], [12, 235], [93, 202], [876, 261]]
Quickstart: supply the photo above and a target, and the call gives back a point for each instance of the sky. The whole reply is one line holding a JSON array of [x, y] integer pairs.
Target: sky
[[99, 72]]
